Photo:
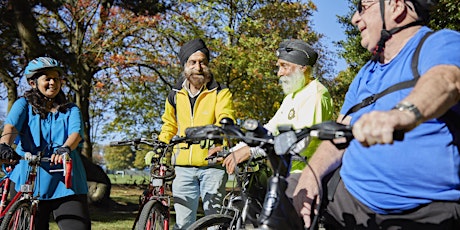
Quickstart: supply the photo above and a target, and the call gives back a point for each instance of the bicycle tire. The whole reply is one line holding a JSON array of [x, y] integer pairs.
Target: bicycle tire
[[215, 220], [19, 216], [154, 216]]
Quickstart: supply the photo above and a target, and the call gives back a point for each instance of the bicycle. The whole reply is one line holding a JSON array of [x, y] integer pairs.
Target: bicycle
[[20, 212], [277, 212], [154, 204], [243, 203]]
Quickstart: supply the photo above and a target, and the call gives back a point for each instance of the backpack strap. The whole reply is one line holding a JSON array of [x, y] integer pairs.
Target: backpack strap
[[398, 86], [172, 98]]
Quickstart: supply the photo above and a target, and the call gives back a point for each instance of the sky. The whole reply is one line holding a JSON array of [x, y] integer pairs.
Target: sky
[[325, 22]]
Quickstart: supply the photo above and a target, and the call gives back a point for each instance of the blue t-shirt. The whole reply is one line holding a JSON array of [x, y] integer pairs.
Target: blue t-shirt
[[47, 135], [426, 165]]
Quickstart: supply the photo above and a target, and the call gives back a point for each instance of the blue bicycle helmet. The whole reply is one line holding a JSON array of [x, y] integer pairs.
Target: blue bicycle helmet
[[40, 64]]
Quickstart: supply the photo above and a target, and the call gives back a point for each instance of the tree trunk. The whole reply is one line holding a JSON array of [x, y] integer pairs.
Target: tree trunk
[[11, 88]]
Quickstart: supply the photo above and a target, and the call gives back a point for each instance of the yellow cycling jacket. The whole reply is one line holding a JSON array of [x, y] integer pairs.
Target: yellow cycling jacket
[[211, 105]]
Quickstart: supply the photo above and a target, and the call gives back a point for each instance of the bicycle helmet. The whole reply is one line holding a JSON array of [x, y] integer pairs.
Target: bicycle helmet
[[422, 8], [40, 64]]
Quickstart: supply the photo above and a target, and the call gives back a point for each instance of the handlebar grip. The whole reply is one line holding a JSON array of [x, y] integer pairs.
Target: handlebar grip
[[127, 142], [68, 173], [115, 143], [398, 135], [224, 153]]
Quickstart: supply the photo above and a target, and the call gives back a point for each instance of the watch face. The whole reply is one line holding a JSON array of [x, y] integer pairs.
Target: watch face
[[402, 106]]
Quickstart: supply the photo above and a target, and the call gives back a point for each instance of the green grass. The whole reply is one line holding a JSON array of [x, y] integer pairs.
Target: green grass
[[126, 195], [120, 218]]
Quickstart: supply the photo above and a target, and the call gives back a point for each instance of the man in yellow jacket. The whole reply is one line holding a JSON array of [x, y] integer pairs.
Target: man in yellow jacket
[[196, 100]]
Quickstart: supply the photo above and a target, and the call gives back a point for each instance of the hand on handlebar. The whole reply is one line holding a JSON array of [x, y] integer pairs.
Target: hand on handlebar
[[382, 127], [213, 152], [60, 154], [8, 155], [236, 157]]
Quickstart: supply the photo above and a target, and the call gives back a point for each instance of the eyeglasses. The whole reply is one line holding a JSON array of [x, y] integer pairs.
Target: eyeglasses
[[362, 8], [290, 49]]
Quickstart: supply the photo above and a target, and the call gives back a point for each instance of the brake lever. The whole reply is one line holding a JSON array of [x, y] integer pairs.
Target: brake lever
[[224, 153]]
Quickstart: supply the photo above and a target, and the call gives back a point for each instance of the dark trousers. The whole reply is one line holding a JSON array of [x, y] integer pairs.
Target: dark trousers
[[345, 212], [69, 212]]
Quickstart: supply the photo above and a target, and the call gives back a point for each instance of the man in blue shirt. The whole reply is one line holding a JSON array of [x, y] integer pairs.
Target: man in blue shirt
[[388, 184]]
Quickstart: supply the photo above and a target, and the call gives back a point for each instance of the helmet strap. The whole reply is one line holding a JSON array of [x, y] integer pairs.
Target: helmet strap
[[385, 34]]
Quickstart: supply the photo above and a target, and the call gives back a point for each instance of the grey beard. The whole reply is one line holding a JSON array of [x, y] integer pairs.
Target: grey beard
[[292, 83]]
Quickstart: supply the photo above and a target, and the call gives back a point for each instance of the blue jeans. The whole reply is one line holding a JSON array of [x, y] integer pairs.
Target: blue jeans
[[190, 184]]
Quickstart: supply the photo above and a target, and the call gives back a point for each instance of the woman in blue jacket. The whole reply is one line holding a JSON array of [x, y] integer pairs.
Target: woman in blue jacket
[[46, 122]]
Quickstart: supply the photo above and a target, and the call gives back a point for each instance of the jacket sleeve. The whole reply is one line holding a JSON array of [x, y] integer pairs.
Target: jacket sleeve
[[224, 106], [169, 127], [324, 107]]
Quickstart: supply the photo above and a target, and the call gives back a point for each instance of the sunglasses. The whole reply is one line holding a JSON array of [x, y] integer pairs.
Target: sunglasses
[[362, 8], [290, 49]]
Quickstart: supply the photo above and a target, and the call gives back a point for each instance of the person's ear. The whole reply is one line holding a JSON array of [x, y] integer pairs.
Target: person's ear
[[303, 68], [32, 83], [399, 10]]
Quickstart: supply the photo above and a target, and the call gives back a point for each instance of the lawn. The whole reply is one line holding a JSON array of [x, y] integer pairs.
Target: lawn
[[121, 214]]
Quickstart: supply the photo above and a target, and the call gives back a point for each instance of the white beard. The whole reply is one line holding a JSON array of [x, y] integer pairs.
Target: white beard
[[293, 82]]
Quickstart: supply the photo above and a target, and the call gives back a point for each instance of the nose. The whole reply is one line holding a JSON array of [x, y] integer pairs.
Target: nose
[[280, 72], [356, 18], [197, 65]]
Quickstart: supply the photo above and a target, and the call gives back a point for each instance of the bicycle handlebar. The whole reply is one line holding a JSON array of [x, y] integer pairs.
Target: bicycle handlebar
[[255, 134], [136, 141], [66, 165]]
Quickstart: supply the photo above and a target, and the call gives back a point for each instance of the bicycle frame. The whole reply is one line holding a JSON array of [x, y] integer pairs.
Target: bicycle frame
[[240, 204], [156, 188], [26, 191], [156, 191], [5, 185]]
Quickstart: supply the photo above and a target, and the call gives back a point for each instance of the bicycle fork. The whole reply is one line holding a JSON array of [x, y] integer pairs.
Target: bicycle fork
[[278, 211]]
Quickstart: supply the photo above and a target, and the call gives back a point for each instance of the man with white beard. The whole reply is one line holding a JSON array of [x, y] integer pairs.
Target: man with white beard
[[307, 102]]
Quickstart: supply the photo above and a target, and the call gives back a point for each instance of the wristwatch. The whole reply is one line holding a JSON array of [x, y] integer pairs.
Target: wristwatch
[[407, 106]]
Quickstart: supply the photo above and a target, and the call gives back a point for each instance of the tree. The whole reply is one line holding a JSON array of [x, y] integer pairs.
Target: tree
[[85, 36], [242, 37], [119, 158], [77, 33]]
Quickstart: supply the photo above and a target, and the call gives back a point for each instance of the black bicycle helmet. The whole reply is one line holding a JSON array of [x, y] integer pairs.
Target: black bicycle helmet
[[40, 64], [422, 8]]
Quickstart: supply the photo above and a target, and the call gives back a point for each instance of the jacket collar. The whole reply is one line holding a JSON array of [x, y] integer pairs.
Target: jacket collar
[[210, 85]]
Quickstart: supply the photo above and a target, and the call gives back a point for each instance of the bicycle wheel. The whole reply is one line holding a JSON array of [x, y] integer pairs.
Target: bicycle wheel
[[154, 216], [19, 217], [214, 221]]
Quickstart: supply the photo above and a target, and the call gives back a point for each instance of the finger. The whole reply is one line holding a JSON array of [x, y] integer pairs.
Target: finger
[[225, 162], [318, 202], [305, 212], [387, 136], [229, 170], [53, 156]]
